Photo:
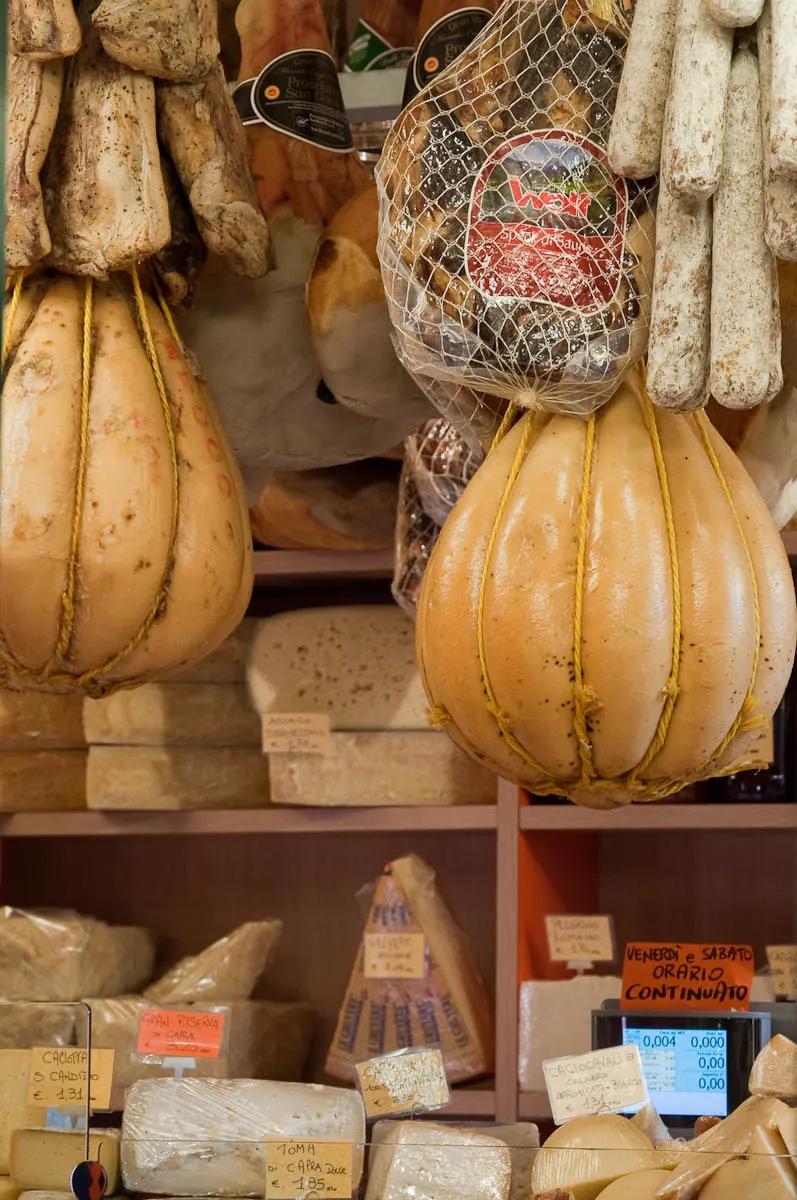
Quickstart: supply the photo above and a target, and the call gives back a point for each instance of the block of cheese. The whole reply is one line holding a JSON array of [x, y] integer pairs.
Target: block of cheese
[[44, 1159], [355, 663], [25, 1025], [173, 714], [207, 1137], [651, 1124], [351, 507], [774, 1071], [42, 780], [37, 721], [786, 1125], [588, 1154], [523, 1141], [227, 664], [15, 1112], [8, 1189], [386, 768], [555, 1020], [170, 778], [63, 956], [720, 1145], [767, 1174], [448, 1007], [268, 1040], [458, 1163], [641, 1185], [229, 969]]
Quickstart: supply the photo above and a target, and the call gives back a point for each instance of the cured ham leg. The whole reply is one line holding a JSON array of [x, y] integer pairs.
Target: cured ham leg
[[104, 196], [43, 29], [34, 93], [252, 337], [170, 39], [385, 26]]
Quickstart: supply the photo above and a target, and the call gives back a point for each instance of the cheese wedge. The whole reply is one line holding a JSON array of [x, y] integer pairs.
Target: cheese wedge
[[641, 1185], [459, 1164], [44, 1159], [767, 1174], [774, 1071], [649, 1121], [588, 1154]]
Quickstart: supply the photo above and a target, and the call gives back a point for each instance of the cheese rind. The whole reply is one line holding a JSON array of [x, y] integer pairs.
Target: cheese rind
[[170, 1125], [37, 721], [457, 1164], [556, 1020], [176, 778], [774, 1071], [42, 780], [226, 664], [386, 768], [586, 1155], [765, 1175], [229, 969], [44, 1159], [448, 1007], [355, 663], [173, 714]]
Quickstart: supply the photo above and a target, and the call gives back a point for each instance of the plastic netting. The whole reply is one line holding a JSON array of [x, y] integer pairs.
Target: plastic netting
[[516, 262]]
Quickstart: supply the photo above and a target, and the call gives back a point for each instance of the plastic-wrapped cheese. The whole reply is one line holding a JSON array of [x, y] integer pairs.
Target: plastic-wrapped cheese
[[176, 777], [356, 663], [43, 780], [207, 1137], [774, 1071], [588, 1154], [457, 1163], [229, 969], [173, 714], [35, 721], [386, 768], [641, 1185], [25, 1025], [768, 1174], [555, 1020], [46, 1158]]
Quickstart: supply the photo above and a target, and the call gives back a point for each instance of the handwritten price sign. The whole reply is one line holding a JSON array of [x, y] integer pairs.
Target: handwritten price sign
[[296, 733], [58, 1077], [605, 1081], [395, 956], [170, 1033], [297, 1170], [580, 939]]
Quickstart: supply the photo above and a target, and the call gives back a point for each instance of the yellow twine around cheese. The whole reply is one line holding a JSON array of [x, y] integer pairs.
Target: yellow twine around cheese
[[11, 318]]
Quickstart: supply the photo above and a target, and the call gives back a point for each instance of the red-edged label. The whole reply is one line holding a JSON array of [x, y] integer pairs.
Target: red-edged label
[[547, 223]]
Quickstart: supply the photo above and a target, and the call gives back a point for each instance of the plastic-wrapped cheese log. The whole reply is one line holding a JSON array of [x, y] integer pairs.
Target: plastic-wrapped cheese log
[[635, 139], [780, 191], [208, 1137], [516, 263]]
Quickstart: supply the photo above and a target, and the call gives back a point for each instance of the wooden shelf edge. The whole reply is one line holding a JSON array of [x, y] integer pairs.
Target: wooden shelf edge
[[249, 821], [280, 568], [650, 818], [470, 1102], [534, 1106]]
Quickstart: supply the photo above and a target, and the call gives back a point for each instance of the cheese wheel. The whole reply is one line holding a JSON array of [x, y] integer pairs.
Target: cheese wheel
[[638, 619]]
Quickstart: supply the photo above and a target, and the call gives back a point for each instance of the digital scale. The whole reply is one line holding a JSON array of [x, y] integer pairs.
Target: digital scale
[[695, 1064]]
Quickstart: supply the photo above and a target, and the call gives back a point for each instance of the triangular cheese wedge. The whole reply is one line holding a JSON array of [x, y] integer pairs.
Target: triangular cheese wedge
[[765, 1175], [649, 1121], [447, 1007], [642, 1185], [774, 1072]]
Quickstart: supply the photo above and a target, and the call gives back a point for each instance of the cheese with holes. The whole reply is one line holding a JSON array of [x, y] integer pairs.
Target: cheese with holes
[[588, 1154], [8, 1189], [42, 780], [355, 663], [169, 1125], [447, 1007], [641, 1185], [63, 956], [268, 1040], [45, 1158], [720, 1145], [229, 969], [171, 778], [556, 1020], [765, 1175], [15, 1112], [461, 1164], [37, 721], [227, 664], [774, 1071], [173, 714], [374, 769]]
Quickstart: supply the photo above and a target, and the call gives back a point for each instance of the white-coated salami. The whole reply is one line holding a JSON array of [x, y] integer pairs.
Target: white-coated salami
[[696, 107], [742, 303], [635, 139], [783, 121], [780, 191], [736, 14]]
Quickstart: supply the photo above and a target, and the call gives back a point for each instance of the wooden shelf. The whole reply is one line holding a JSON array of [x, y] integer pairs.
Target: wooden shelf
[[250, 821], [312, 568], [653, 818], [534, 1106], [790, 542], [475, 1101]]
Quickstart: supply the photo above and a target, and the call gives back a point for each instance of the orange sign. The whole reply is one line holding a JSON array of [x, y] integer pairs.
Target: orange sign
[[171, 1033], [687, 975]]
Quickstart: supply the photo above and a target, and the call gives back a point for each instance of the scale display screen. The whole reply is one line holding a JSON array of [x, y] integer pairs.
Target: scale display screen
[[686, 1069]]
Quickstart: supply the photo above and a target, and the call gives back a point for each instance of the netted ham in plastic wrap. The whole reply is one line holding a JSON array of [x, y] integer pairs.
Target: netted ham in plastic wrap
[[516, 262]]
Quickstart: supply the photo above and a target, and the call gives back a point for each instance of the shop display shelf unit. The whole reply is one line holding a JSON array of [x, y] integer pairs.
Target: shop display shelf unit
[[192, 876]]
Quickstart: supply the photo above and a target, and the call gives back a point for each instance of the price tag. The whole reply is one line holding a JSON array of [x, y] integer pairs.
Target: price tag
[[407, 1082], [296, 733], [605, 1081], [395, 956], [580, 939], [173, 1033], [783, 965], [704, 976], [316, 1168], [58, 1077]]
